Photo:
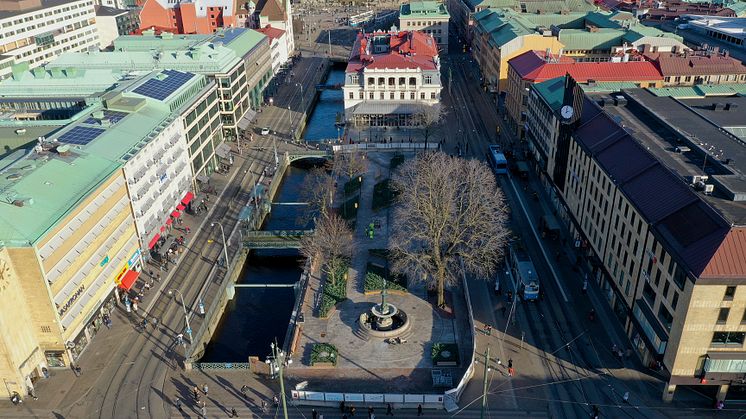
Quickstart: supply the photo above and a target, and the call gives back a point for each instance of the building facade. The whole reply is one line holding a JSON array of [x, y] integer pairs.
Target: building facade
[[112, 23], [731, 31], [277, 14], [188, 17], [426, 16], [390, 77], [238, 60], [278, 46], [626, 199], [691, 68], [37, 31]]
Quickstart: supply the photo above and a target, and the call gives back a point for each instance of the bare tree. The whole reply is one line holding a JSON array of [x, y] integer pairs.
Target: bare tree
[[450, 220], [428, 118], [349, 165], [333, 242], [318, 191]]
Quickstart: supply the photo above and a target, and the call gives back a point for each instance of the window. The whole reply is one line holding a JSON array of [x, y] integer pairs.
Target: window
[[381, 95], [728, 338], [428, 79], [432, 96], [422, 95], [723, 315], [665, 290], [729, 293], [675, 300], [362, 95], [401, 95], [381, 81], [743, 318], [402, 81], [371, 81], [412, 81], [392, 81], [411, 96], [352, 95], [665, 317], [371, 95], [391, 96]]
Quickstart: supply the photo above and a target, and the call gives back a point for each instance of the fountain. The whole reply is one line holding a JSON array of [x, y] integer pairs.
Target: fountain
[[384, 320]]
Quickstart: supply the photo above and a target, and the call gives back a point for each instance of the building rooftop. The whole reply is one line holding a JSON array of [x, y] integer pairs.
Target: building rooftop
[[552, 91], [697, 63], [394, 50], [734, 26], [60, 82], [201, 54], [701, 90], [272, 33], [532, 6], [534, 66], [422, 9], [39, 186], [109, 11]]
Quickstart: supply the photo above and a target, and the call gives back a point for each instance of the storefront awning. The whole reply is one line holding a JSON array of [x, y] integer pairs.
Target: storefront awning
[[154, 240], [385, 108], [223, 150], [202, 179], [180, 207], [129, 279], [187, 198], [163, 228], [244, 122], [169, 222], [175, 214]]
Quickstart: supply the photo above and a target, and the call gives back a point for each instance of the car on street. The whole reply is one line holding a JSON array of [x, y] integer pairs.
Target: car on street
[[265, 131]]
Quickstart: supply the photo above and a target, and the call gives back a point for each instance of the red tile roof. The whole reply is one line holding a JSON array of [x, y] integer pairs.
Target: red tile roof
[[273, 33], [728, 261], [407, 50], [532, 66], [695, 64]]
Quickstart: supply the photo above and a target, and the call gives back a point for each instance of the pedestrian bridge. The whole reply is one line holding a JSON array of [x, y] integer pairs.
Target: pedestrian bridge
[[307, 154], [275, 239]]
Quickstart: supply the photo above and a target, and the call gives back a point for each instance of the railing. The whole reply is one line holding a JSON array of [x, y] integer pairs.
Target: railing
[[278, 233], [384, 146], [213, 366], [297, 309]]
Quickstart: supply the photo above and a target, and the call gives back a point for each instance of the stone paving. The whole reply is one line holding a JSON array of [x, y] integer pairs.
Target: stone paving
[[403, 366]]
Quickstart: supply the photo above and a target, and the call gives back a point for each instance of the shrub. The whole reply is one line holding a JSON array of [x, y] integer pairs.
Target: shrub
[[324, 352], [374, 279], [353, 185], [444, 353], [383, 195], [348, 210], [334, 294], [396, 161]]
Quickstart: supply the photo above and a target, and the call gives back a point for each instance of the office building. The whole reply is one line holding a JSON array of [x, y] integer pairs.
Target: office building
[[277, 14], [278, 46], [502, 35], [652, 188], [731, 31], [536, 66], [237, 59], [426, 16], [37, 31], [112, 23], [390, 77]]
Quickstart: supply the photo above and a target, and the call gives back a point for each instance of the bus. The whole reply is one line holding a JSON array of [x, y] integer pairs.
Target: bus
[[524, 273], [497, 160], [362, 19]]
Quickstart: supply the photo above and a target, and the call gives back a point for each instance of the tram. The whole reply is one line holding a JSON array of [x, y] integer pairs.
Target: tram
[[524, 273]]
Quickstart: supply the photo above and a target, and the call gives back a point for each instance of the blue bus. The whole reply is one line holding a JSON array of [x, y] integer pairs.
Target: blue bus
[[497, 160], [524, 273]]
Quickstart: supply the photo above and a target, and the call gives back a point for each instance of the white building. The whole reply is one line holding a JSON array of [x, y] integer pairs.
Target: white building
[[390, 77], [111, 23], [278, 14], [426, 16], [37, 31], [278, 46], [730, 30]]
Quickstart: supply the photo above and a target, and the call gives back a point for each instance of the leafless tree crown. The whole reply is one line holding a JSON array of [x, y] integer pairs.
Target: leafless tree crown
[[449, 210], [349, 165], [332, 242]]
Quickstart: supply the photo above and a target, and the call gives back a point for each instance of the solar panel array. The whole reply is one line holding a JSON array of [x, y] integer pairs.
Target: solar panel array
[[161, 89], [80, 135], [229, 35], [113, 116]]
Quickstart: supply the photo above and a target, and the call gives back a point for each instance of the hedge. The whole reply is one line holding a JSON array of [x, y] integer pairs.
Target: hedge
[[374, 279], [334, 293]]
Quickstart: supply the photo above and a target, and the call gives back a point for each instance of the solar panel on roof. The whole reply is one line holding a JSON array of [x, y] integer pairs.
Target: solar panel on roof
[[161, 89], [80, 135], [229, 35]]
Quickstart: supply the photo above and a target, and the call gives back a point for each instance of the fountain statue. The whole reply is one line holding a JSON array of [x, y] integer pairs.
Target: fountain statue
[[384, 320]]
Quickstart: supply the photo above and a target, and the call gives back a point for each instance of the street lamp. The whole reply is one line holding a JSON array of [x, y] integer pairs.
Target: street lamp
[[276, 363], [225, 244], [302, 99], [290, 117], [188, 330]]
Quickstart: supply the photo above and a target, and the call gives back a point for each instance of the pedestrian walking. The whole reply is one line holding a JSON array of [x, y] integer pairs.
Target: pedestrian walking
[[32, 393], [419, 410], [234, 414], [585, 286], [370, 411], [314, 414], [342, 407], [244, 389], [180, 339], [195, 392], [353, 409], [204, 388], [264, 405], [720, 405], [626, 397], [389, 410], [203, 411]]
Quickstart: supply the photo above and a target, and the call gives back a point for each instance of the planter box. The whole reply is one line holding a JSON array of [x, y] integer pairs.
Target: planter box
[[446, 364], [323, 365], [388, 291]]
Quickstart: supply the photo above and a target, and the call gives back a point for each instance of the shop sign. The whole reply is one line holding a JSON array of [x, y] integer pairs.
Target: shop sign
[[133, 260], [121, 273], [104, 261], [71, 300]]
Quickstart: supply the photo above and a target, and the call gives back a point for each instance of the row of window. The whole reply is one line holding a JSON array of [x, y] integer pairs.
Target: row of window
[[392, 95], [705, 79], [48, 13], [392, 81]]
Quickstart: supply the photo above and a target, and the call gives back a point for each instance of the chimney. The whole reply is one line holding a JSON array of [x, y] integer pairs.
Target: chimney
[[548, 55]]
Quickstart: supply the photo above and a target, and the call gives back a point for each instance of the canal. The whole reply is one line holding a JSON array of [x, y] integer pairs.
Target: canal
[[257, 316]]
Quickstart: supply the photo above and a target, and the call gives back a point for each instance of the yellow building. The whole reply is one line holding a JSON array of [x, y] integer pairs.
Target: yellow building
[[68, 240]]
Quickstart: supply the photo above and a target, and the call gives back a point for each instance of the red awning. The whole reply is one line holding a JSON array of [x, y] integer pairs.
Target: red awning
[[163, 229], [129, 279], [180, 207], [176, 214], [154, 240], [169, 222], [187, 198]]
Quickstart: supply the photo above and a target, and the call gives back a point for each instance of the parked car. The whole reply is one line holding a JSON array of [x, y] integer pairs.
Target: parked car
[[265, 131]]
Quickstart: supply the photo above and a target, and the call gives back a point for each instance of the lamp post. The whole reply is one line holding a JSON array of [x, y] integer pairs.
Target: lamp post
[[188, 330], [302, 99], [225, 244], [276, 363], [290, 118]]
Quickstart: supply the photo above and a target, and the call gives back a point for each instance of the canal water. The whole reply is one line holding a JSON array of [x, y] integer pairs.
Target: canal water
[[330, 104], [257, 317]]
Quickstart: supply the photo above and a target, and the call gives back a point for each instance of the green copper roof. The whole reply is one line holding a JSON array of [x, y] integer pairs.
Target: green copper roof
[[552, 91], [60, 81], [581, 39], [506, 25], [604, 87], [51, 184], [423, 9], [701, 90]]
